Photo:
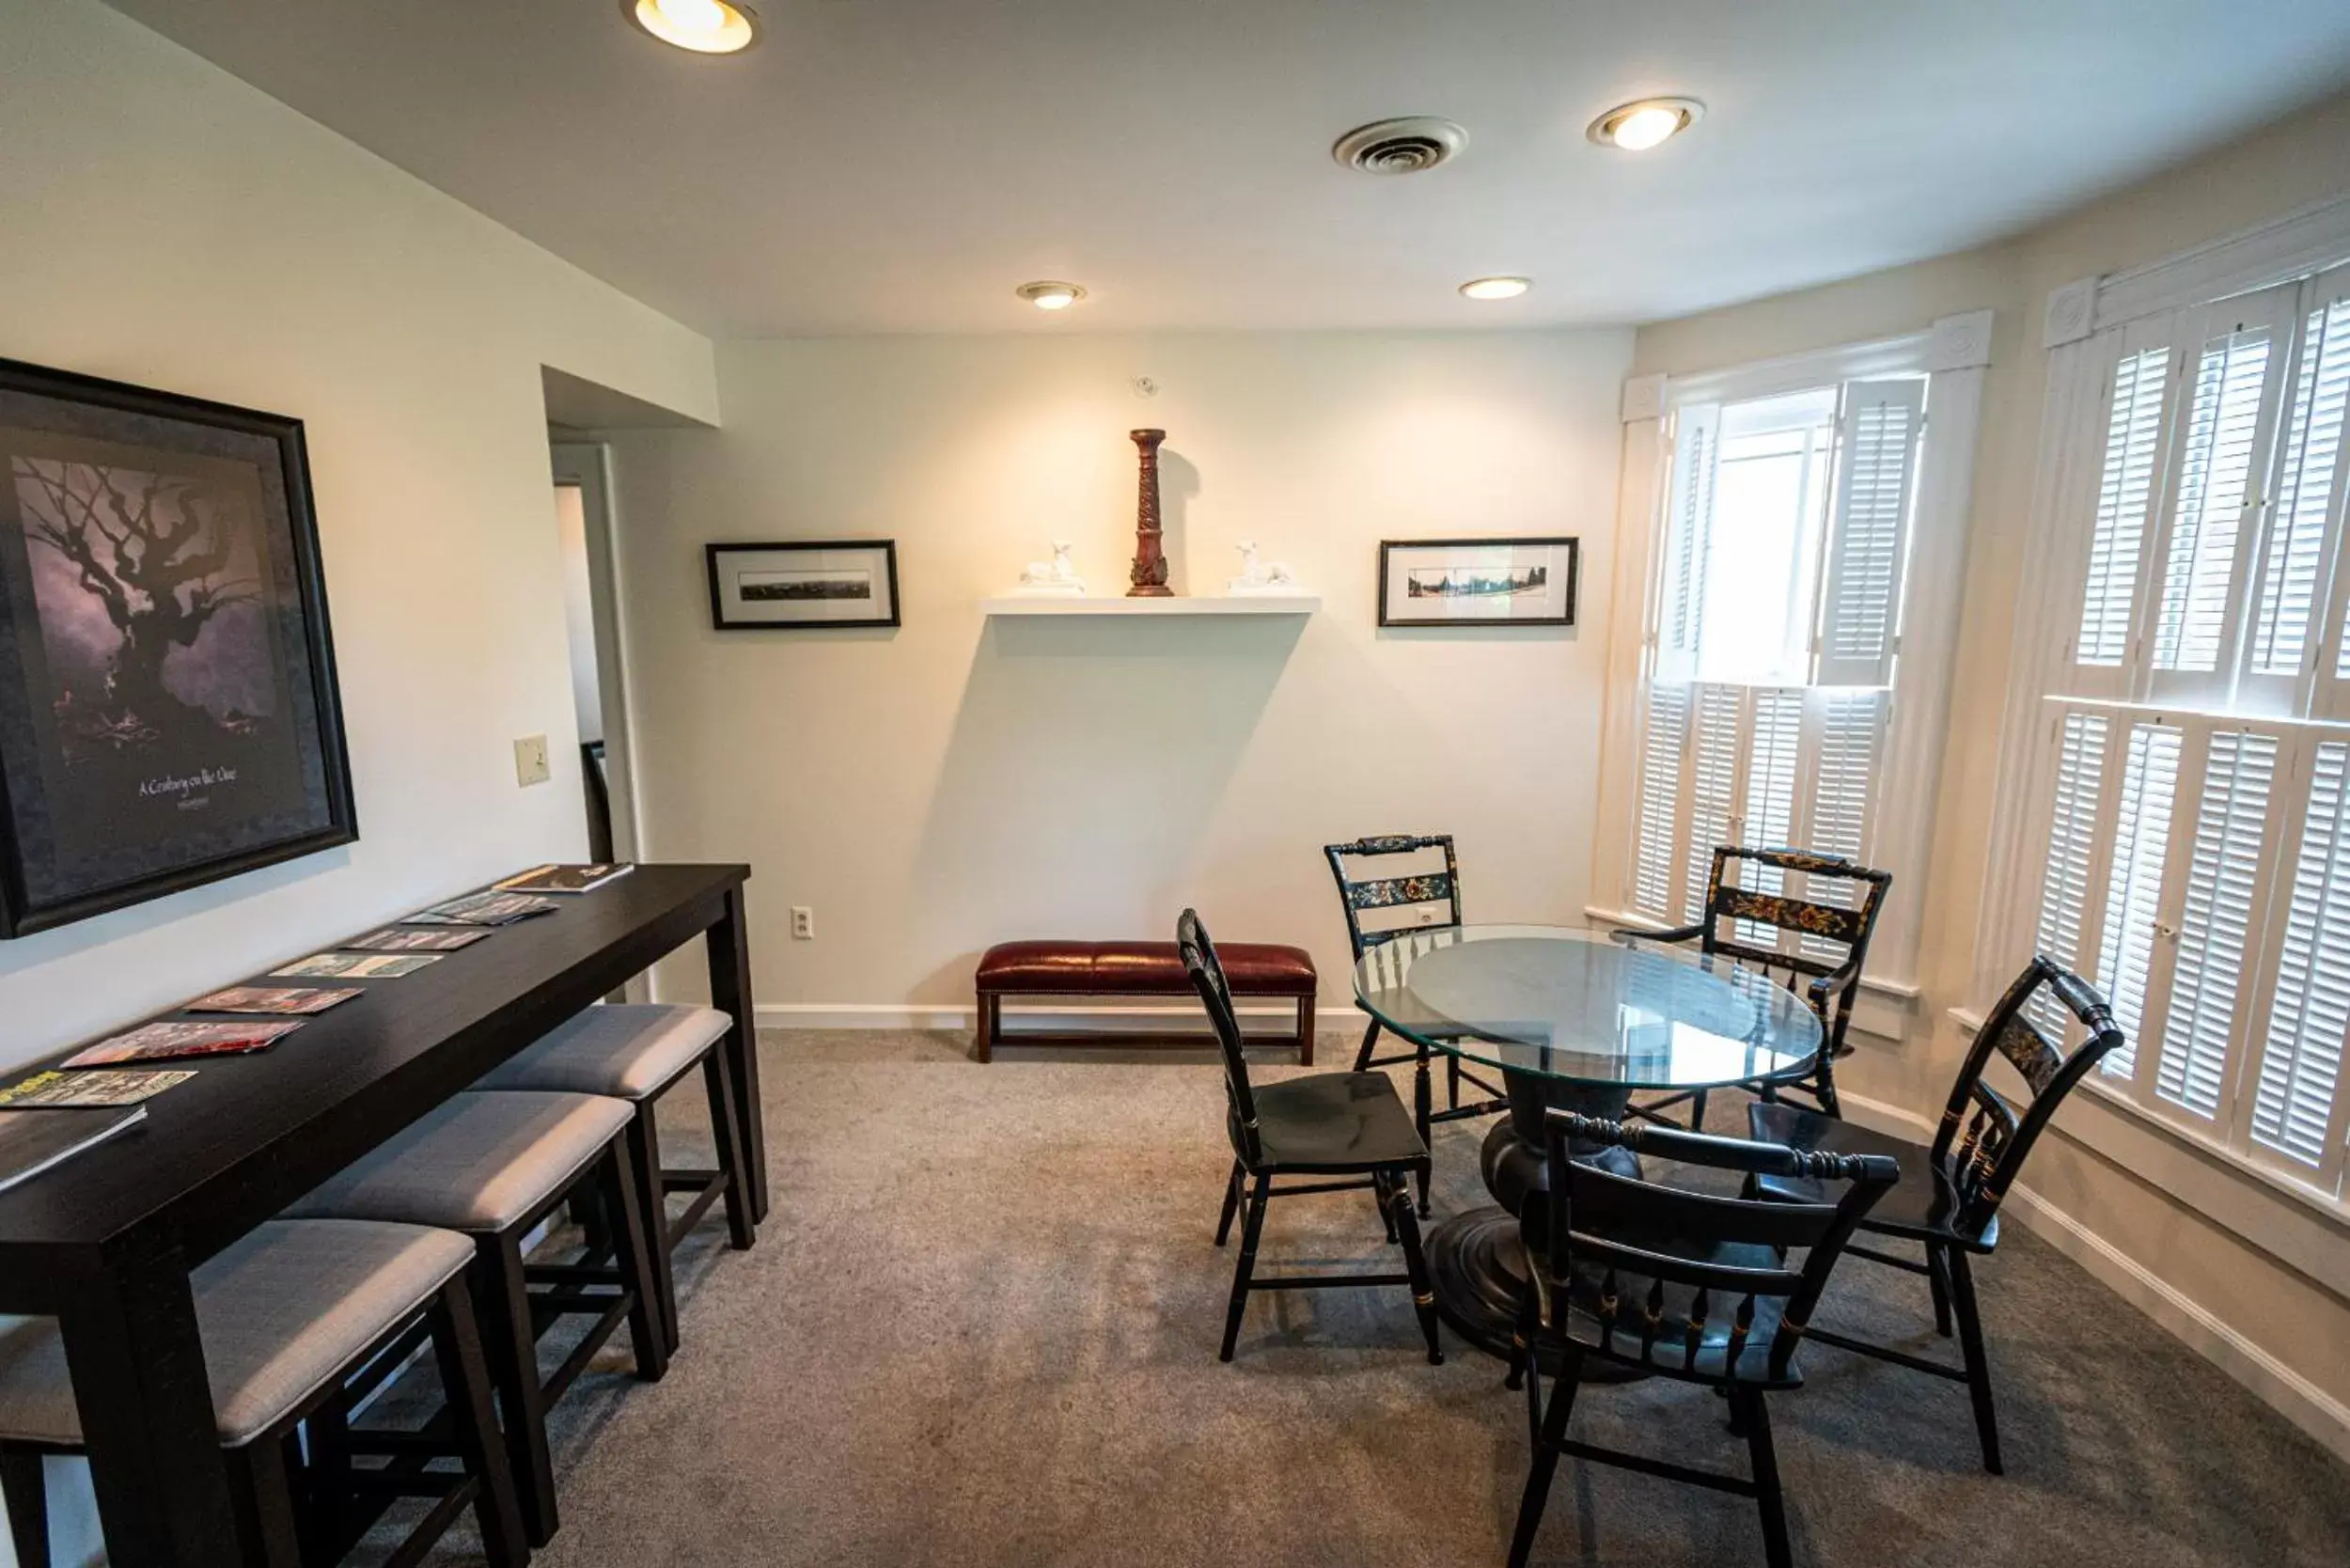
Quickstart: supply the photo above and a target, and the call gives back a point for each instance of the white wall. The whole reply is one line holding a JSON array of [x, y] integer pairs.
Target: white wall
[[2254, 1279], [170, 226], [936, 788]]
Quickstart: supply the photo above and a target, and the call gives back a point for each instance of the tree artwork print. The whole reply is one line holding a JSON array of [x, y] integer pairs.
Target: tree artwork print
[[167, 712]]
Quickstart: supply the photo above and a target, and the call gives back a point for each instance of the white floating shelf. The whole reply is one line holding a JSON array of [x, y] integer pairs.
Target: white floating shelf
[[1299, 604]]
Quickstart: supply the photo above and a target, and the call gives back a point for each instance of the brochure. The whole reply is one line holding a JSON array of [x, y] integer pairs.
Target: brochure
[[482, 909], [563, 879], [33, 1140], [168, 1042], [270, 999], [393, 940], [356, 965], [102, 1087]]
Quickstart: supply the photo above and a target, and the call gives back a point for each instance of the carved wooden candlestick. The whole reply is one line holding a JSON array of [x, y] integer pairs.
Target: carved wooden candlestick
[[1150, 574]]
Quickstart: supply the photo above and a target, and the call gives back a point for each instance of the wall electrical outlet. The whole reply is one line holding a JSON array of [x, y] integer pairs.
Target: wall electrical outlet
[[803, 923], [530, 761]]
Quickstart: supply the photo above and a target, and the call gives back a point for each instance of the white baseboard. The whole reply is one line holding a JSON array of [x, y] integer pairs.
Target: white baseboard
[[2283, 1390], [1128, 1019]]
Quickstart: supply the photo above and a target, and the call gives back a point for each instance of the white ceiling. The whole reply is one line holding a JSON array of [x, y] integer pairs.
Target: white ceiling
[[898, 165]]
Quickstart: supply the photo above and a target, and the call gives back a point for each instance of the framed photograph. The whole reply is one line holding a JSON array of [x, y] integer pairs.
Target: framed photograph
[[836, 583], [1478, 582], [168, 712]]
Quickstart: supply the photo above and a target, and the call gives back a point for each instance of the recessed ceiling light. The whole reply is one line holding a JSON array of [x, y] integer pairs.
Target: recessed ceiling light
[[704, 27], [1050, 296], [1495, 288], [1637, 127]]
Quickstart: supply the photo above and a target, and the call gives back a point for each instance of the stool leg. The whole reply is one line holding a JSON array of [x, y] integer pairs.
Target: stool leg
[[646, 1330], [466, 1385], [644, 1153], [263, 1490], [510, 1347], [27, 1498], [726, 1131]]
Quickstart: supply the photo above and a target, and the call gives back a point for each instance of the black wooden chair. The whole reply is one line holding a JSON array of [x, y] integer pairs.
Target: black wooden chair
[[1680, 1284], [1827, 975], [1951, 1203], [1397, 904], [1348, 1125]]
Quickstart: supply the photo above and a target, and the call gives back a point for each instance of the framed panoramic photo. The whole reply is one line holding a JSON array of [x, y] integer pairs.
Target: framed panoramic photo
[[833, 583], [168, 712], [1478, 582]]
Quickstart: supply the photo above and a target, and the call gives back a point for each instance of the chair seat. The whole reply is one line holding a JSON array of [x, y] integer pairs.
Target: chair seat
[[478, 1163], [1072, 968], [281, 1312], [1335, 1121], [629, 1052], [1669, 1353], [1919, 1206]]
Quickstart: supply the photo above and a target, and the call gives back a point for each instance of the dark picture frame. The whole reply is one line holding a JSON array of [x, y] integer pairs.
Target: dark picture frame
[[169, 712], [803, 584], [1480, 582]]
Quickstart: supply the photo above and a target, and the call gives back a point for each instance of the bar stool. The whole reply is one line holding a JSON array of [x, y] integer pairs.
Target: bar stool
[[290, 1315], [637, 1052], [494, 1166]]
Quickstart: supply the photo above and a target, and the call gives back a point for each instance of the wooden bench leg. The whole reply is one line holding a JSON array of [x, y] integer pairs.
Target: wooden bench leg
[[1305, 1031], [990, 1018]]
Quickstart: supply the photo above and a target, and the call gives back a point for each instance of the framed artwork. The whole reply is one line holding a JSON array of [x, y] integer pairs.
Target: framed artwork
[[1478, 582], [825, 583], [168, 712]]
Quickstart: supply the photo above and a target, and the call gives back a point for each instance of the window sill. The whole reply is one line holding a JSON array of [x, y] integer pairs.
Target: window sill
[[2306, 1231]]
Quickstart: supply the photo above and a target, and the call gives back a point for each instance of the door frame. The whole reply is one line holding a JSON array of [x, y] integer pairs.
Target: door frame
[[588, 465]]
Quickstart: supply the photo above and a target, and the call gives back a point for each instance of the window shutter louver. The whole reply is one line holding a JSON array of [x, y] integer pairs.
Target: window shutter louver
[[2215, 925], [2072, 849], [1850, 730], [1712, 790], [1662, 749], [1767, 815], [1696, 437], [1878, 468], [2293, 1104], [2125, 491], [2309, 485], [2133, 886]]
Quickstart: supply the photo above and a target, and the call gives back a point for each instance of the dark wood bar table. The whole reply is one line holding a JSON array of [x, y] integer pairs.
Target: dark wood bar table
[[106, 1241]]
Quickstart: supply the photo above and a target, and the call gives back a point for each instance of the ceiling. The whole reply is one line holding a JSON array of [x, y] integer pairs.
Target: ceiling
[[899, 166]]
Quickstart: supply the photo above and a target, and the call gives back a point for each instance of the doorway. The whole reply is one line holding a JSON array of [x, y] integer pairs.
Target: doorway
[[583, 512]]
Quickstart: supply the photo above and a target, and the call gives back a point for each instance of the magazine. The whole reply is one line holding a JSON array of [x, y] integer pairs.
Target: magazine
[[103, 1087], [356, 965], [33, 1140], [270, 999], [482, 909], [169, 1040], [563, 879], [393, 940]]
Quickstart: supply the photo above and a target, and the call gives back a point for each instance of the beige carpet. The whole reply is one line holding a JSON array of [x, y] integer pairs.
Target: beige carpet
[[979, 1329]]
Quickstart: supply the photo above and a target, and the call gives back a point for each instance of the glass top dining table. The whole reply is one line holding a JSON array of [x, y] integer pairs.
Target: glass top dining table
[[1581, 1006], [1574, 1019]]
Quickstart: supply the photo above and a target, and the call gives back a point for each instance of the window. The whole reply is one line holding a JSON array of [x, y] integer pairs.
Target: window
[[2193, 737], [1787, 521]]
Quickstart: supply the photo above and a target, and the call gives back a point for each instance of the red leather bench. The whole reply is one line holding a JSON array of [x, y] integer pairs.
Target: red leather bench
[[1253, 969]]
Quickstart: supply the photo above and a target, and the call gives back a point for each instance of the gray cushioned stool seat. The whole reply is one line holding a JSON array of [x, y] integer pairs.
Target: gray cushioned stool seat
[[629, 1051], [280, 1312], [478, 1163]]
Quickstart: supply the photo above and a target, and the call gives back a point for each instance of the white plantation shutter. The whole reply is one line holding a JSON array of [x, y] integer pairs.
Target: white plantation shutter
[[2130, 470], [2064, 890], [2226, 418], [1877, 470], [1662, 749], [1712, 790], [2294, 1107], [1847, 736], [2304, 518], [2215, 927], [1768, 809], [1688, 534], [2150, 778]]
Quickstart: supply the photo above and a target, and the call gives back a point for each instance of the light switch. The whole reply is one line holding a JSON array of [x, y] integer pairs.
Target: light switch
[[530, 761]]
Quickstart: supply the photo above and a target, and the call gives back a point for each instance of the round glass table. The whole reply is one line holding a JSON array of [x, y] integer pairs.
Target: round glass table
[[1571, 1018]]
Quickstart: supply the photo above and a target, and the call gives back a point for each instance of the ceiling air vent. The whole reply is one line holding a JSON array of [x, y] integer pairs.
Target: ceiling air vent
[[1401, 145]]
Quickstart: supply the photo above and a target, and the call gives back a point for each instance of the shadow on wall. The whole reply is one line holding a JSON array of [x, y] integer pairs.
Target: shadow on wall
[[1179, 486], [1087, 758]]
